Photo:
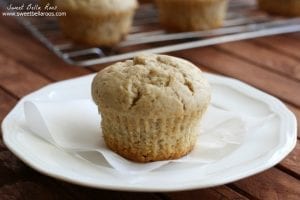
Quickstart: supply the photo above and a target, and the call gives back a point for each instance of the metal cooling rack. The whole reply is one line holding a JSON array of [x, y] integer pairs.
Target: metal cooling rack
[[243, 21]]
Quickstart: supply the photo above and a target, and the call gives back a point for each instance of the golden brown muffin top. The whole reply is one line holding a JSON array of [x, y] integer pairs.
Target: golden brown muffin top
[[97, 6], [151, 85]]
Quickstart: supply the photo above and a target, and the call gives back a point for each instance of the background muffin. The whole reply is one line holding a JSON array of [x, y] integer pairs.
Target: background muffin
[[281, 7], [150, 106], [191, 15], [97, 22]]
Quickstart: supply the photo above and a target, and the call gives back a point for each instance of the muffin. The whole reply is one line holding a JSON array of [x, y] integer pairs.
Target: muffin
[[281, 7], [191, 15], [151, 106], [97, 22]]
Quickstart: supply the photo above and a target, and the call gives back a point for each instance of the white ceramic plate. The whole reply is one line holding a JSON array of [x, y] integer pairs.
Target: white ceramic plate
[[260, 150]]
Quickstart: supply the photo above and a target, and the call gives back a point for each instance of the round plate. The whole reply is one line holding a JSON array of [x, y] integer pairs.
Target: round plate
[[260, 150]]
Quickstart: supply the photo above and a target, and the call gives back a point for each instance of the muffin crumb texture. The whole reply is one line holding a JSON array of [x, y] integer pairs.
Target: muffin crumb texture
[[150, 106], [151, 85]]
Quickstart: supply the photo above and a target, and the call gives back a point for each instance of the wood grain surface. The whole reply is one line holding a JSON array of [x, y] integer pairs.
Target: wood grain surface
[[271, 64]]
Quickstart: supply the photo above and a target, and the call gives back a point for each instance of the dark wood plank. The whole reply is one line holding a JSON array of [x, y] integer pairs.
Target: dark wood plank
[[7, 103], [271, 184], [17, 79], [296, 111], [28, 190], [294, 35], [221, 192], [264, 57], [2, 145], [291, 163], [223, 63], [88, 193], [11, 168], [229, 193], [282, 44], [12, 23], [97, 68], [25, 49]]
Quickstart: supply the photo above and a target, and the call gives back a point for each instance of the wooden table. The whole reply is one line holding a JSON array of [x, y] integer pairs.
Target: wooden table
[[271, 64]]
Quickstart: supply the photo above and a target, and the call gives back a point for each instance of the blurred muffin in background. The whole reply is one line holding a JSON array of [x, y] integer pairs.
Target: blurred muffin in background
[[281, 7], [191, 15], [97, 22]]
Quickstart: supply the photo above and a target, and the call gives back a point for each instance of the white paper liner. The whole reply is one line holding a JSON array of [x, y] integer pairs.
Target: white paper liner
[[75, 127]]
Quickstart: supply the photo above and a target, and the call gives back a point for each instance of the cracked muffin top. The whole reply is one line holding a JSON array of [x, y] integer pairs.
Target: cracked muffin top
[[151, 85]]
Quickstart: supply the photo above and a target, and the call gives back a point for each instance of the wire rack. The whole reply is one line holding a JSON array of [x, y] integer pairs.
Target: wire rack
[[243, 21]]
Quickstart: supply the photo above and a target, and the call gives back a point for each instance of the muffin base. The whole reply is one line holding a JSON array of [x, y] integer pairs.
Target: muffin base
[[281, 7], [147, 140], [182, 15], [105, 30]]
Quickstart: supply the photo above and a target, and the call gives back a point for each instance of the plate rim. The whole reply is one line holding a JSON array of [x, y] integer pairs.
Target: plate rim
[[287, 147]]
